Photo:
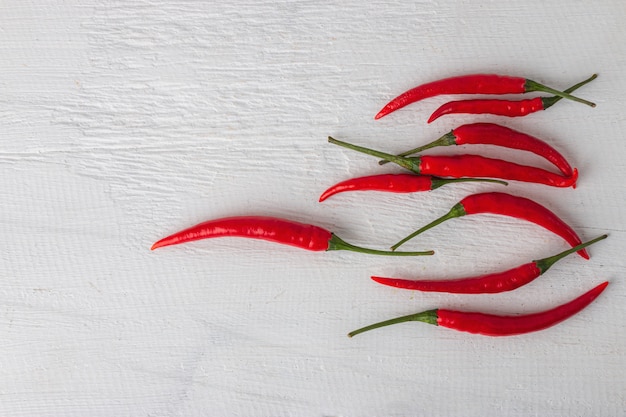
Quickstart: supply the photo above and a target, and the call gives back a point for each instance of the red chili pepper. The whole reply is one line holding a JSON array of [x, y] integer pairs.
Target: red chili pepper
[[485, 284], [469, 166], [396, 183], [507, 205], [495, 325], [508, 108], [493, 134], [472, 84], [304, 236]]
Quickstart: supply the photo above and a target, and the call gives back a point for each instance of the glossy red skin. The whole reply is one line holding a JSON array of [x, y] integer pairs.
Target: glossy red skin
[[465, 84], [493, 134], [458, 166], [484, 284], [498, 107], [394, 183], [493, 325], [304, 236], [522, 208]]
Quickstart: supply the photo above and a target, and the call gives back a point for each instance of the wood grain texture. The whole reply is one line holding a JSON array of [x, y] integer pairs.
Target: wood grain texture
[[124, 121]]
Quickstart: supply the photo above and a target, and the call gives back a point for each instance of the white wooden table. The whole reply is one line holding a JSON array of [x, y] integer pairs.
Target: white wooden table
[[122, 121]]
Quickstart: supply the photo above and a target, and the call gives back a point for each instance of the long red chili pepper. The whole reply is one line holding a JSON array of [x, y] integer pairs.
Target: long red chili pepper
[[506, 205], [484, 284], [510, 108], [304, 236], [475, 166], [495, 325], [396, 183], [493, 134], [472, 84]]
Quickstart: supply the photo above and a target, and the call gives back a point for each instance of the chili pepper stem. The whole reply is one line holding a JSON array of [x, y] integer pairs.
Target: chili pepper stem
[[531, 85], [446, 140], [546, 263], [429, 317], [336, 243], [456, 211], [549, 101], [412, 164]]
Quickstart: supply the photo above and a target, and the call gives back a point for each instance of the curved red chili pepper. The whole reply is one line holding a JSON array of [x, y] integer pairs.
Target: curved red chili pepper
[[495, 325], [493, 134], [486, 284], [286, 232], [396, 183], [508, 108], [507, 205], [476, 166], [472, 84], [480, 166]]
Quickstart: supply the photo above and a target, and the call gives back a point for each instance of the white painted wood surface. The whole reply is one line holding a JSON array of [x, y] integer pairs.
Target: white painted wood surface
[[122, 121]]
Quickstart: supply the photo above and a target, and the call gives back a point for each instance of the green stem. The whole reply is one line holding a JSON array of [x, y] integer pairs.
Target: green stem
[[437, 182], [446, 140], [412, 164], [429, 317], [546, 263], [549, 101], [456, 211], [336, 243], [531, 85]]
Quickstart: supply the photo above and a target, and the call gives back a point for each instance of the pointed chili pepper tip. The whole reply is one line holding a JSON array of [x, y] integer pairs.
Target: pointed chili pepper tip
[[385, 281], [325, 195], [385, 111], [161, 243], [436, 114], [573, 178]]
